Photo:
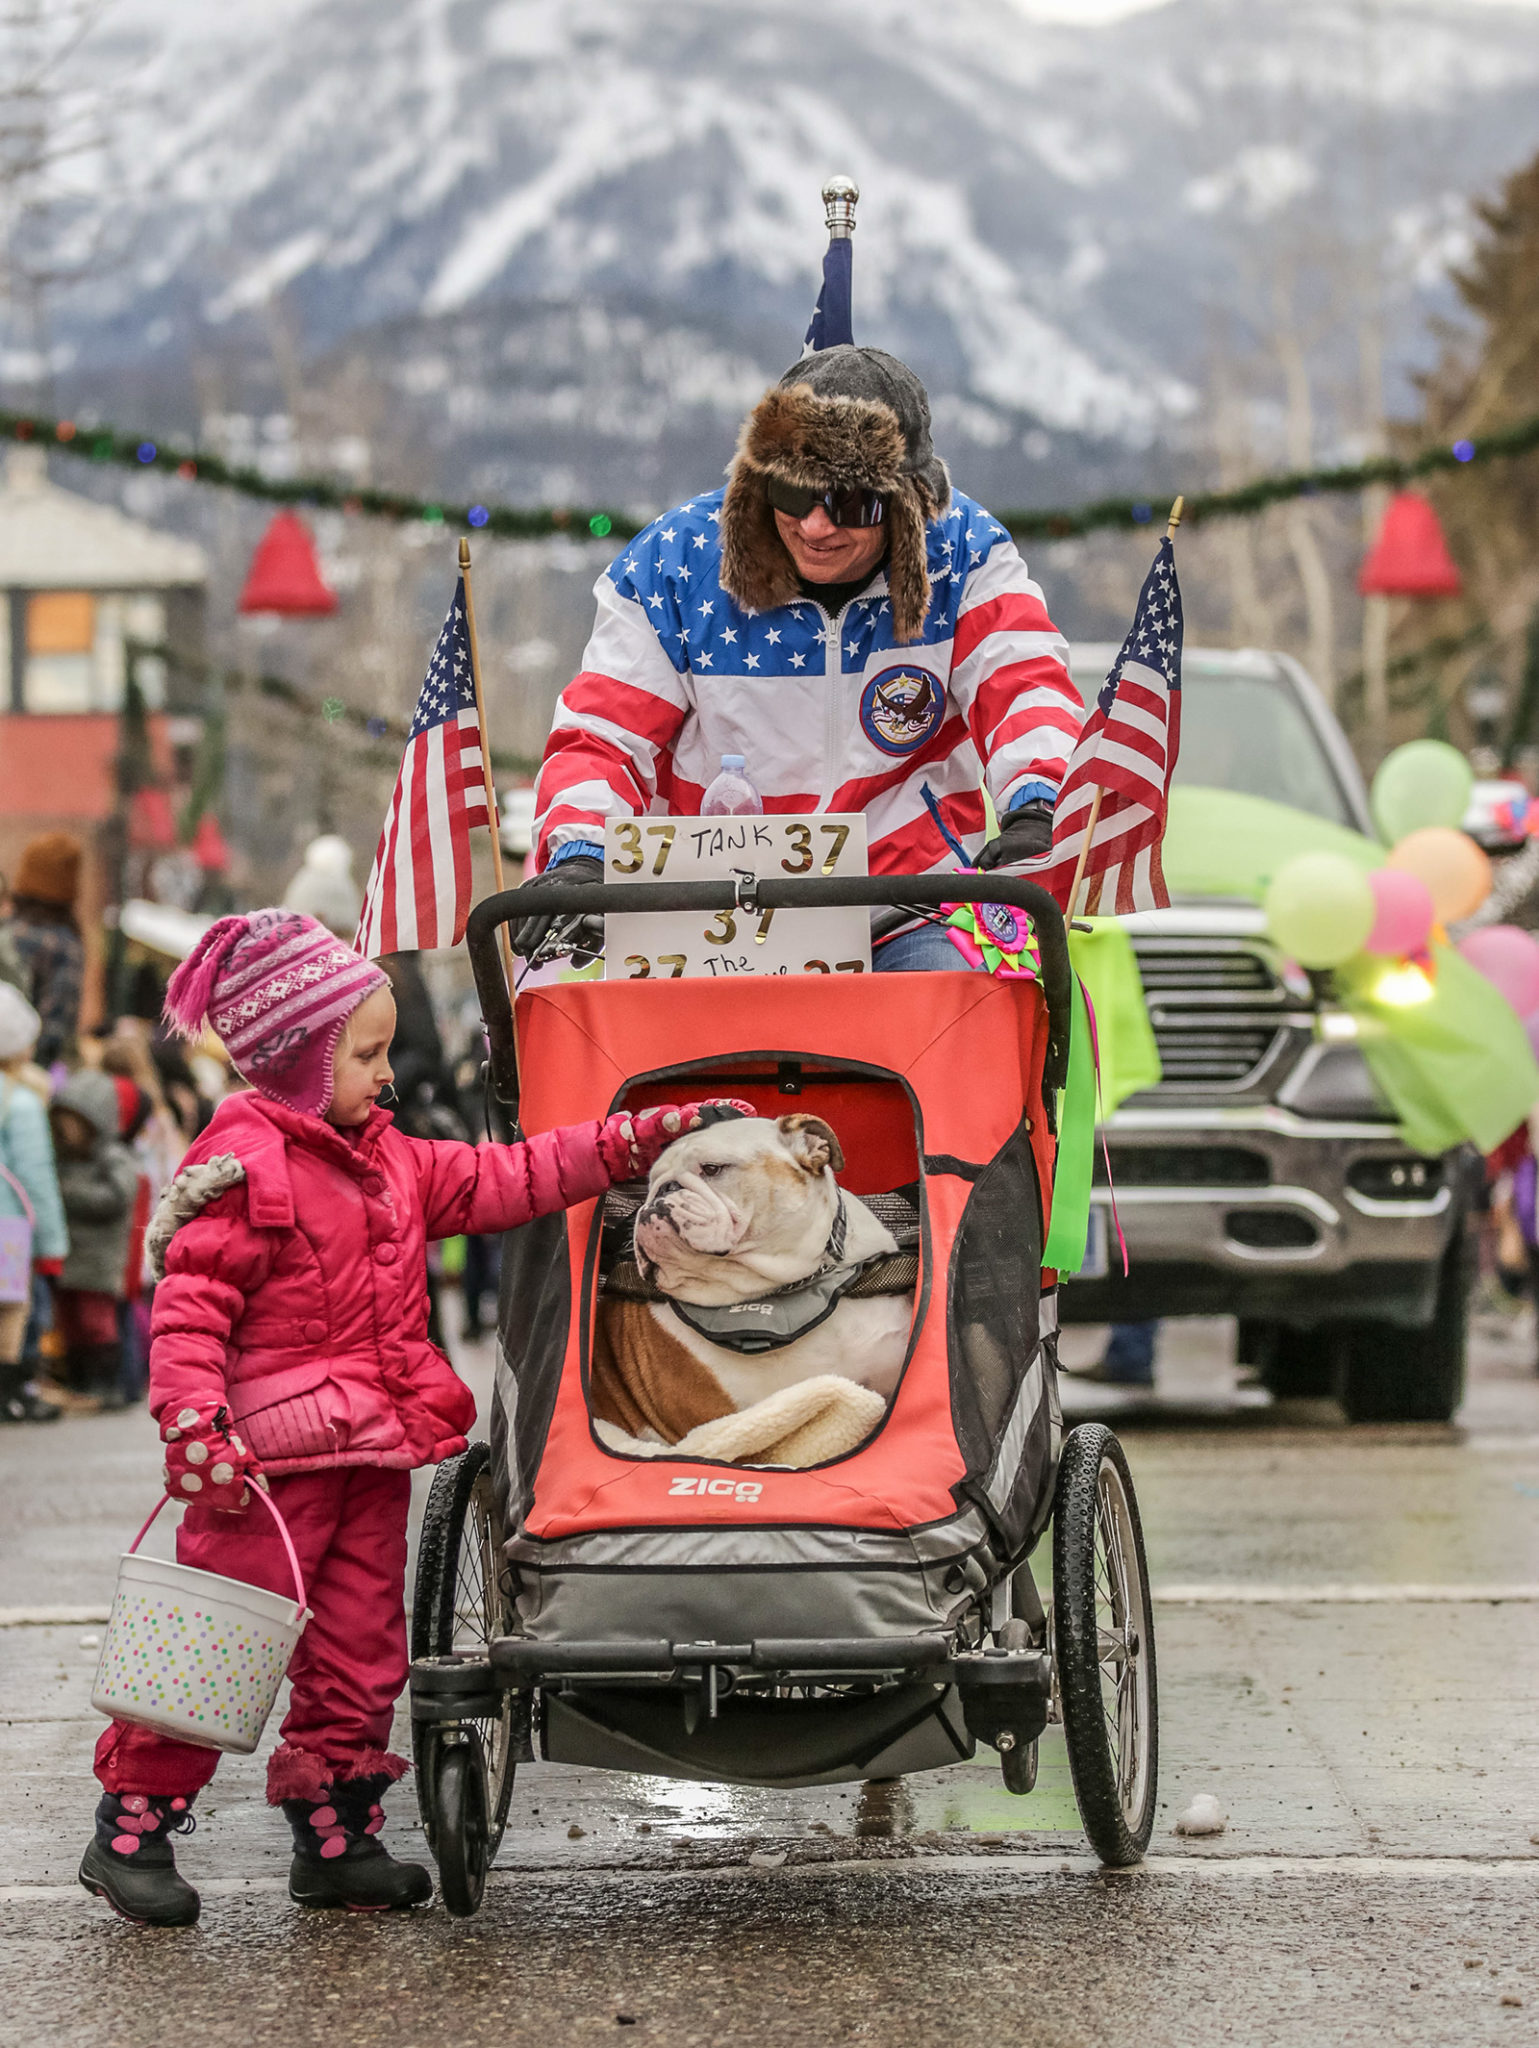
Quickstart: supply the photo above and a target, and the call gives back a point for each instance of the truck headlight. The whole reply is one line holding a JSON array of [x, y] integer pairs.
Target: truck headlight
[[1402, 986], [1336, 1082]]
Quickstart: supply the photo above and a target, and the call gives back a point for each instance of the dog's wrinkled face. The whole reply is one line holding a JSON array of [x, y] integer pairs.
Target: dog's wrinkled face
[[743, 1200]]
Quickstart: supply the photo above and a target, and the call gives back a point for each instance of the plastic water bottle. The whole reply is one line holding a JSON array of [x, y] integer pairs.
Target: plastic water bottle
[[732, 795]]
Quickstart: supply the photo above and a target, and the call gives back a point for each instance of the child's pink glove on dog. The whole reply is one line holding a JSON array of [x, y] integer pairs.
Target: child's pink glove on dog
[[629, 1145], [206, 1462]]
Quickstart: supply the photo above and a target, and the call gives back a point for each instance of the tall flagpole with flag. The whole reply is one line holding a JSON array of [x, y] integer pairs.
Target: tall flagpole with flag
[[418, 893], [486, 762], [1111, 810]]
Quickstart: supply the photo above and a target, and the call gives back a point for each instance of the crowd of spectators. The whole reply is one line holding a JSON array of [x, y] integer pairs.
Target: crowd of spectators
[[92, 1126], [95, 1118]]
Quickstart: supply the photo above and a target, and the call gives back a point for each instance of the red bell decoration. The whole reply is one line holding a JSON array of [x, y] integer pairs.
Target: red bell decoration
[[151, 827], [1410, 558], [284, 576], [208, 846]]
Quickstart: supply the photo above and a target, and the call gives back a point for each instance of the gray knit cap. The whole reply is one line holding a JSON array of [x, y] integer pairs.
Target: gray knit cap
[[850, 372]]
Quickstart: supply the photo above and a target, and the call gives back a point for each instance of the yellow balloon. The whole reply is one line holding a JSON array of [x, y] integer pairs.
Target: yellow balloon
[[1453, 867]]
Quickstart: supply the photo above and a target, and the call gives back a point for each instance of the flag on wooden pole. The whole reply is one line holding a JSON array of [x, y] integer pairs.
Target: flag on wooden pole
[[1110, 816], [418, 894]]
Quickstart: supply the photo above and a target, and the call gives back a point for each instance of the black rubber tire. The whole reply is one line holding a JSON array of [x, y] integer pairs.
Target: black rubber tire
[[1393, 1374], [461, 1500], [1018, 1767], [1119, 1827], [464, 1850], [1294, 1364]]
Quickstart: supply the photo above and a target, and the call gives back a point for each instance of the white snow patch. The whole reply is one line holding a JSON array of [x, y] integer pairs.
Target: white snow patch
[[1262, 180], [1205, 1816], [264, 280]]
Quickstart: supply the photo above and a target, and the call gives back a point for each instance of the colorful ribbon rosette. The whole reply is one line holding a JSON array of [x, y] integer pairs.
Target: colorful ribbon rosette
[[996, 938]]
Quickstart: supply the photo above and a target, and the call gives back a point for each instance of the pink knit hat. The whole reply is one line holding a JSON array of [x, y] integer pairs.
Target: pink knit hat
[[277, 988]]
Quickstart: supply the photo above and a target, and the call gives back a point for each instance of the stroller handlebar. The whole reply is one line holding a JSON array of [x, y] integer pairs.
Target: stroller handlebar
[[577, 899]]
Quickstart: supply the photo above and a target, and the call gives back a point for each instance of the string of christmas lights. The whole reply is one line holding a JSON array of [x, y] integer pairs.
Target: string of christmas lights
[[109, 445]]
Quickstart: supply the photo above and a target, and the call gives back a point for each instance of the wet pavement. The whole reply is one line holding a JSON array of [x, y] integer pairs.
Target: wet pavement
[[1348, 1633]]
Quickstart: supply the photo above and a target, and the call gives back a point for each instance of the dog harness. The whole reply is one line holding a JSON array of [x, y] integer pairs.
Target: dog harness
[[768, 1322]]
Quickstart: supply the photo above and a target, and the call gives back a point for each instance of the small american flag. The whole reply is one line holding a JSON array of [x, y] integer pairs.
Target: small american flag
[[1128, 751], [419, 887]]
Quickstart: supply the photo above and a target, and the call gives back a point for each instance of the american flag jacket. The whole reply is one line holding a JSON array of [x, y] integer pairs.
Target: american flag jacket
[[828, 714]]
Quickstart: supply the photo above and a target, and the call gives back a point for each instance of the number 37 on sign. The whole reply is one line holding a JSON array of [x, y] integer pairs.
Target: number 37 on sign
[[668, 945]]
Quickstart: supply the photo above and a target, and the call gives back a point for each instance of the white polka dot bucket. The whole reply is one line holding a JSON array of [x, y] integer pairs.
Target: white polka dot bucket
[[195, 1655]]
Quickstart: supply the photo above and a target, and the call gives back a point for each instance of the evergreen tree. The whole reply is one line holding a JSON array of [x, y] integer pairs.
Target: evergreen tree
[[1488, 377]]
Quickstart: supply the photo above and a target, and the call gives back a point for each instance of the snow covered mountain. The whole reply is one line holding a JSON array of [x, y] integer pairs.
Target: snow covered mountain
[[574, 237]]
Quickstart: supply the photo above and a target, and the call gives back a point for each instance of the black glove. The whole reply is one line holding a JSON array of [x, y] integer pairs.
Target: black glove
[[1024, 834], [533, 932]]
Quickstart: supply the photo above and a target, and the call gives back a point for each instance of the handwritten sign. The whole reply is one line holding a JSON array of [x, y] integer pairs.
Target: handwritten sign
[[671, 945]]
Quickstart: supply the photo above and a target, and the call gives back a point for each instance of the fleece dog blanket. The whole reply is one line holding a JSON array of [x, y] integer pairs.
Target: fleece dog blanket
[[650, 1396], [807, 1424]]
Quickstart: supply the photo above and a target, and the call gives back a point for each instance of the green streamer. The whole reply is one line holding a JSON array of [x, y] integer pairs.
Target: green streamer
[[1128, 1057], [1065, 1247]]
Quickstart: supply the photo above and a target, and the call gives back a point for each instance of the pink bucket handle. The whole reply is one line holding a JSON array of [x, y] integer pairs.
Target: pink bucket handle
[[272, 1508]]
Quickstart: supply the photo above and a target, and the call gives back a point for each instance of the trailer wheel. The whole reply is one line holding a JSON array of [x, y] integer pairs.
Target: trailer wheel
[[1103, 1645], [1018, 1767], [463, 1846], [460, 1605]]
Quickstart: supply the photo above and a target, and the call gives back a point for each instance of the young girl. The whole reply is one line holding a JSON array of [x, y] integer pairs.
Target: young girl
[[289, 1339]]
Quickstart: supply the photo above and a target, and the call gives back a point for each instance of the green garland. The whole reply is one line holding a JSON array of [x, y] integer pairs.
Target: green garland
[[1521, 438], [508, 522], [388, 734]]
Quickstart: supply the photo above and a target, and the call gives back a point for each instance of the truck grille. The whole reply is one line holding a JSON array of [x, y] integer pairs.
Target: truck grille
[[1183, 1166], [1215, 1006]]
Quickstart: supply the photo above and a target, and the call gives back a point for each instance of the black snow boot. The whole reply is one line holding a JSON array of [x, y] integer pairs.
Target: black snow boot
[[16, 1404], [102, 1367], [338, 1862], [130, 1863]]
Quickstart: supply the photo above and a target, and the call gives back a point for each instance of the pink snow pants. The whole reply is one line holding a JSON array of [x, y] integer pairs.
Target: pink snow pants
[[348, 1525]]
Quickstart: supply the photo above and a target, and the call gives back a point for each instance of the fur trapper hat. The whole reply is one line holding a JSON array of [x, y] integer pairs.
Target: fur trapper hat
[[845, 417]]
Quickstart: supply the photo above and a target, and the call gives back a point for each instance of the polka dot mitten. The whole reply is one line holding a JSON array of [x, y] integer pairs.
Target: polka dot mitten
[[337, 1859], [206, 1461], [630, 1144], [130, 1862]]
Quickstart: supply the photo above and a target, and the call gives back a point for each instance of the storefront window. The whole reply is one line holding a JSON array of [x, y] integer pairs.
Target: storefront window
[[61, 651]]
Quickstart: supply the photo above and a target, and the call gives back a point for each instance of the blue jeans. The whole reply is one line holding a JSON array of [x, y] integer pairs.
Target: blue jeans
[[1129, 1356], [924, 950]]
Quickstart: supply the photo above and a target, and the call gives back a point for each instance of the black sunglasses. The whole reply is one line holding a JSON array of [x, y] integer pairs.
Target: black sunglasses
[[850, 506]]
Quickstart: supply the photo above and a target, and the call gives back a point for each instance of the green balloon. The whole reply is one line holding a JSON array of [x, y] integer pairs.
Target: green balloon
[[1320, 909], [1425, 782]]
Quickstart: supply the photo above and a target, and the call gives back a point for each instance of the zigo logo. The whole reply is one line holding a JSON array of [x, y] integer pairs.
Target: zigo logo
[[719, 1489]]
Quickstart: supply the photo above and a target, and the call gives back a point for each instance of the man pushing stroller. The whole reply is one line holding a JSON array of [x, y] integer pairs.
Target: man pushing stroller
[[866, 638]]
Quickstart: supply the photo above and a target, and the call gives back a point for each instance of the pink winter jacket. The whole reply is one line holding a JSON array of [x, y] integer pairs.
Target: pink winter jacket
[[296, 1295]]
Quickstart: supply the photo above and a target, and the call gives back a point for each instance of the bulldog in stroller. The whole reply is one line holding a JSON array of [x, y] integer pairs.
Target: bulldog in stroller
[[765, 1311], [600, 1585]]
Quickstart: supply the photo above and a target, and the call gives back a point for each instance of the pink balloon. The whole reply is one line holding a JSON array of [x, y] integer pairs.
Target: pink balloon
[[1403, 912], [1531, 1026], [1509, 960]]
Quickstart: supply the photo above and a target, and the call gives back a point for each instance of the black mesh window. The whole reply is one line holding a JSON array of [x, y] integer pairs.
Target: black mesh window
[[996, 1275], [533, 1315]]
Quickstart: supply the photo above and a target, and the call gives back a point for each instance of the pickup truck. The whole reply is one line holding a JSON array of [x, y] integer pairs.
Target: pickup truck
[[1264, 1177]]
